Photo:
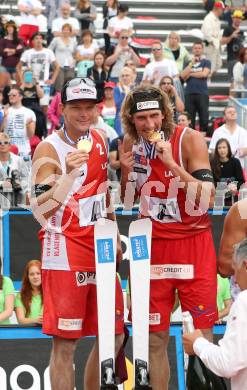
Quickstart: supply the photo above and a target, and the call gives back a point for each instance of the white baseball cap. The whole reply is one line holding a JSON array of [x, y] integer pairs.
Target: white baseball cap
[[79, 89]]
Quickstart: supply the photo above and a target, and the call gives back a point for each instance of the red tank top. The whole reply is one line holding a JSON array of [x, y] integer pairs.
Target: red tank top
[[172, 214], [68, 238]]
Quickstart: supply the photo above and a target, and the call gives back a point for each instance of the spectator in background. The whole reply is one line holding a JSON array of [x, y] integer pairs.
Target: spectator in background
[[86, 13], [110, 9], [40, 18], [123, 87], [100, 124], [7, 298], [227, 171], [13, 173], [131, 64], [166, 84], [118, 23], [224, 300], [11, 48], [122, 53], [85, 53], [184, 119], [196, 92], [26, 22], [174, 50], [114, 156], [65, 18], [5, 85], [18, 122], [235, 135], [54, 113], [160, 66], [233, 37], [98, 74], [212, 36], [40, 59], [64, 47], [51, 11], [240, 70], [108, 107], [233, 5], [29, 301]]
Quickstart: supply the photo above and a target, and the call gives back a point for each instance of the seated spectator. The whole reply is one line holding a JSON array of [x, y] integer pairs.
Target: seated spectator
[[64, 47], [108, 107], [18, 122], [227, 171], [184, 119], [40, 18], [174, 50], [110, 9], [11, 48], [65, 18], [86, 13], [224, 300], [114, 156], [235, 135], [13, 173], [233, 37], [160, 66], [166, 84], [123, 87], [54, 113], [98, 73], [119, 23], [240, 71], [27, 23], [7, 298], [85, 53], [32, 93], [122, 52], [29, 301]]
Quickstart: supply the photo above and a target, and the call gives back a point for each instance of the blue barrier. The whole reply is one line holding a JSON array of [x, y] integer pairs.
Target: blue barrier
[[18, 332]]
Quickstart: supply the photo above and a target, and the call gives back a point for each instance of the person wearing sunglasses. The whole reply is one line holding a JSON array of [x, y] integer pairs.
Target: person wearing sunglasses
[[122, 53], [159, 66], [167, 167], [69, 194], [166, 84], [118, 23]]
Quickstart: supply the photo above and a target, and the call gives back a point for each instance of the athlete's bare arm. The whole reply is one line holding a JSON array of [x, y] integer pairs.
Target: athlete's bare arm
[[235, 230], [46, 171], [195, 157]]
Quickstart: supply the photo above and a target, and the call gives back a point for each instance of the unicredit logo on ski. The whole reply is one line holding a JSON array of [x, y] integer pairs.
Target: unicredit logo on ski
[[139, 247], [105, 250]]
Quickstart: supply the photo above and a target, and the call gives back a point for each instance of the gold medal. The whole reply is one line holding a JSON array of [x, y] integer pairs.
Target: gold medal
[[85, 145], [155, 137]]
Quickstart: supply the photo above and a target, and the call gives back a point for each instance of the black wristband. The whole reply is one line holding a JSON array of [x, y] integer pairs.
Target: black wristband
[[203, 175]]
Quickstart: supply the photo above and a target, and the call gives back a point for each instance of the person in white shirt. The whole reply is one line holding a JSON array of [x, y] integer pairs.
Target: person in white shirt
[[160, 66], [212, 36], [57, 24], [41, 19], [235, 134], [19, 122], [229, 358], [119, 23]]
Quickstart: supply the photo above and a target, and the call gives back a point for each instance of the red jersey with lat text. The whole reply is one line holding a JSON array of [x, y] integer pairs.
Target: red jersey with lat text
[[173, 215], [68, 237]]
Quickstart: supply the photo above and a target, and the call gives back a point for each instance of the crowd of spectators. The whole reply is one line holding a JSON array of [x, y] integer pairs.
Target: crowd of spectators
[[49, 43]]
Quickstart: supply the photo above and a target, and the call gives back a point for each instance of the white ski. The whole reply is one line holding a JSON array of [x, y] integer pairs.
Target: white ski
[[140, 251], [105, 242]]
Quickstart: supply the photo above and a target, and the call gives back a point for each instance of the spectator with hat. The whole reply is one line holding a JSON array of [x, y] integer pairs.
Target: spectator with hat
[[233, 37], [212, 36], [108, 106]]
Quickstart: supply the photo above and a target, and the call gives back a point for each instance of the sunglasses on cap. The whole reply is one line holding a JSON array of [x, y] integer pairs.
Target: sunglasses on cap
[[4, 142], [79, 80], [156, 49]]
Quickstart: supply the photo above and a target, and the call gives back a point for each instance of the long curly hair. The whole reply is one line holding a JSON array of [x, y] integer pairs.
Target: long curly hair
[[129, 101], [215, 162], [26, 289]]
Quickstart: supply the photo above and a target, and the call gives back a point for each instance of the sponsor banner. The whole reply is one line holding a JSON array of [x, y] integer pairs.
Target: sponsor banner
[[172, 271]]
